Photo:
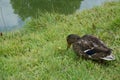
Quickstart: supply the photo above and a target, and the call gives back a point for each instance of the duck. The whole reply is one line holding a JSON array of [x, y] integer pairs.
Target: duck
[[90, 47], [1, 33]]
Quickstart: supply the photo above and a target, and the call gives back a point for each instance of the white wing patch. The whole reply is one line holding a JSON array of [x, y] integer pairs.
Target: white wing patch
[[109, 58]]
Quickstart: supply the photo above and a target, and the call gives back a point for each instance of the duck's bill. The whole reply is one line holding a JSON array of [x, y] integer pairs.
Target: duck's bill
[[68, 46], [109, 58]]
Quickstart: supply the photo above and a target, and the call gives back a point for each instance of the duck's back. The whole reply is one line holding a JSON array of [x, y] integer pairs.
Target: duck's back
[[96, 41]]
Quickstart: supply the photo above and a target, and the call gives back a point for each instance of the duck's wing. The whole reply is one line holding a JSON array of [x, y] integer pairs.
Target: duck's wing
[[79, 48], [88, 49], [96, 41], [83, 48], [100, 53]]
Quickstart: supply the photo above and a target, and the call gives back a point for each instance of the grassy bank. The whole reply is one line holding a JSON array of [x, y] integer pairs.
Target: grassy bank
[[38, 52]]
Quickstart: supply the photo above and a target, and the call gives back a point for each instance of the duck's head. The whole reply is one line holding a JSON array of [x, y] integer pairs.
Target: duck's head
[[72, 38]]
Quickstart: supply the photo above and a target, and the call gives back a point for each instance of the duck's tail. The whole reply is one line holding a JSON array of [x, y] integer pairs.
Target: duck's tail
[[109, 57]]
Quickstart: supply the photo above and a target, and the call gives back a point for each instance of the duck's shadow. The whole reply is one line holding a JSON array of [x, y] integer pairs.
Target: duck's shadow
[[102, 62], [99, 62], [70, 54]]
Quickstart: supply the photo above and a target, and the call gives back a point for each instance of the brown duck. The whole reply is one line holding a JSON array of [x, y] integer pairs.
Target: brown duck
[[1, 33], [89, 46]]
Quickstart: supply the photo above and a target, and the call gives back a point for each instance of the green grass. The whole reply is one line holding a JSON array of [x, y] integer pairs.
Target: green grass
[[38, 52]]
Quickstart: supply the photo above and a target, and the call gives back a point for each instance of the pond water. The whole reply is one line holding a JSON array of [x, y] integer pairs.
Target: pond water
[[14, 13]]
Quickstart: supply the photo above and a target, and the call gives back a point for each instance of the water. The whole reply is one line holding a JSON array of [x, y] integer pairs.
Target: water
[[14, 13], [8, 19], [88, 4]]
